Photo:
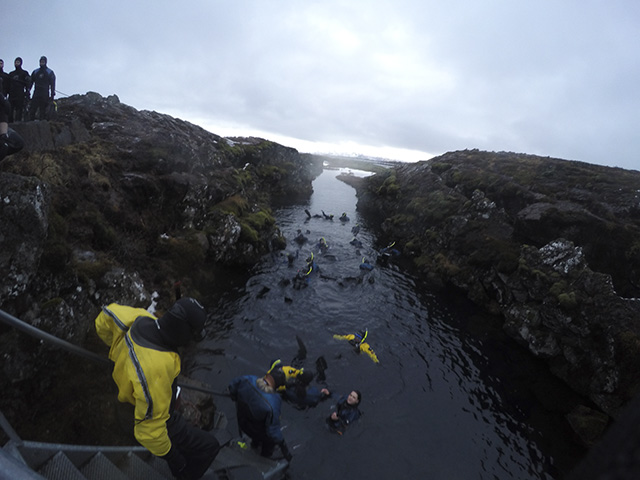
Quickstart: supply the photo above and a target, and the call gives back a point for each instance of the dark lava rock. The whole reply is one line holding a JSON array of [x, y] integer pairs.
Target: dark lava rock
[[107, 203], [551, 246]]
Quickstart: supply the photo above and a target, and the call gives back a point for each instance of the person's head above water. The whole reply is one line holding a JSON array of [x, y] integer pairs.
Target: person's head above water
[[354, 398]]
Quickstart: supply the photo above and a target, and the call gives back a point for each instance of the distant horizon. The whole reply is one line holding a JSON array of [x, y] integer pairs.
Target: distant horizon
[[339, 150]]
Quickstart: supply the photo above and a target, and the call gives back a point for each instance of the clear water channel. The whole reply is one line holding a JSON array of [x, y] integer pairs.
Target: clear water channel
[[448, 400]]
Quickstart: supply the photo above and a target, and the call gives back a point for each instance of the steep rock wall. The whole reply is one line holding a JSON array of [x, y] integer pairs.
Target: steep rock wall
[[552, 246]]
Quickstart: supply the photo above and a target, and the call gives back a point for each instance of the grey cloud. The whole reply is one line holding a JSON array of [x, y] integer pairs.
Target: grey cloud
[[543, 77]]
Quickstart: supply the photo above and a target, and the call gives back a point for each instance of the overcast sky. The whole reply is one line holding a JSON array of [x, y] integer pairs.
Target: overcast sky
[[404, 79]]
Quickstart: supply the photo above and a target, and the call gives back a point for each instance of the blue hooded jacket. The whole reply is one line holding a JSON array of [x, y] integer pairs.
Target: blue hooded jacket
[[262, 407]]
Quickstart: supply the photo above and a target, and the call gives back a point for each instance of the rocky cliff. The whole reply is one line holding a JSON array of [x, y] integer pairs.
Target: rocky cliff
[[107, 203], [551, 246]]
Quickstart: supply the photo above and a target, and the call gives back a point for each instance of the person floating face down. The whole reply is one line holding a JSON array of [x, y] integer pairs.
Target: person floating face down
[[290, 373], [346, 412], [358, 341], [258, 410], [144, 350], [301, 280]]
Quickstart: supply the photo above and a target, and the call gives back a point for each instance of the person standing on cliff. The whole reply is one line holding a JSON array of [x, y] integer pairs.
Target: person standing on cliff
[[44, 81], [144, 350], [6, 81], [5, 109], [10, 141], [18, 91]]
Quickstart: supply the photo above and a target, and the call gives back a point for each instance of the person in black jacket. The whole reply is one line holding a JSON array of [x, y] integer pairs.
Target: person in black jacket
[[18, 91], [301, 394], [5, 109], [44, 82], [4, 76], [10, 141]]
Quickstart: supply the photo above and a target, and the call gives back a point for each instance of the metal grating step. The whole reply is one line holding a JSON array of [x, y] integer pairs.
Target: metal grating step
[[137, 469], [101, 468], [160, 465], [59, 467]]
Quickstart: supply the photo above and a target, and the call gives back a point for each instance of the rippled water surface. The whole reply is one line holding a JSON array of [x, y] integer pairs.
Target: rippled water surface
[[447, 401]]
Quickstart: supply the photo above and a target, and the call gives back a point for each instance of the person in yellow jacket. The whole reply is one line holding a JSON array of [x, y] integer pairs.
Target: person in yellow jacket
[[358, 341], [144, 350]]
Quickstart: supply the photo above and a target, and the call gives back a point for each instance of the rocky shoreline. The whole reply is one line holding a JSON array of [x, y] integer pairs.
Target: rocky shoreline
[[550, 246]]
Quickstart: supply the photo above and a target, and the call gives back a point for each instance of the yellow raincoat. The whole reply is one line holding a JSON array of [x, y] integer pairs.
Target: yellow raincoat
[[144, 375]]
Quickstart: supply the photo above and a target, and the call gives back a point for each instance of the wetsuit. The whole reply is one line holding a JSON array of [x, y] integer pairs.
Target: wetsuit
[[5, 107], [347, 414], [10, 142], [258, 410], [18, 93], [365, 265], [6, 82], [310, 397], [323, 246], [44, 81], [145, 371]]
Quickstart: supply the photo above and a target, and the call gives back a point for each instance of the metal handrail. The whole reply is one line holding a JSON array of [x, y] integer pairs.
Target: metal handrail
[[47, 337]]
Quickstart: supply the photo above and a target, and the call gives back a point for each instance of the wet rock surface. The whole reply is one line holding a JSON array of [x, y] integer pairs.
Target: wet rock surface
[[107, 203], [550, 246]]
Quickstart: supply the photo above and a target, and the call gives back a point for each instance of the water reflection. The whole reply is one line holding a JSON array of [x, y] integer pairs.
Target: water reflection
[[435, 407]]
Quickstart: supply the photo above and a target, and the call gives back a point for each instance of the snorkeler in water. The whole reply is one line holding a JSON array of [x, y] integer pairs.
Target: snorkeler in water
[[346, 412], [358, 341]]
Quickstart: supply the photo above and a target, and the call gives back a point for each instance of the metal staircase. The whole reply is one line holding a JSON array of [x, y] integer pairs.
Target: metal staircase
[[34, 460], [76, 462], [25, 460]]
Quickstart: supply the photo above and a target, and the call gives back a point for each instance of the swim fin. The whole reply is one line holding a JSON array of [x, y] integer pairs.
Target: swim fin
[[321, 366]]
